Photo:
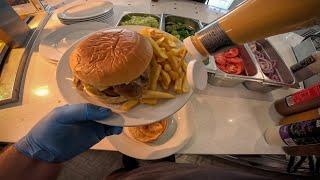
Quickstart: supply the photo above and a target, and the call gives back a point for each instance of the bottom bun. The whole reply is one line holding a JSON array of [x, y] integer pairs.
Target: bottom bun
[[106, 99]]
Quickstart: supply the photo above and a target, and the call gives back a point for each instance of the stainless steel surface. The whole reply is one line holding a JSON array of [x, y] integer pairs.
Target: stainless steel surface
[[223, 81], [195, 23], [304, 49], [126, 15], [286, 76], [260, 86], [220, 78], [13, 31], [13, 72], [283, 71]]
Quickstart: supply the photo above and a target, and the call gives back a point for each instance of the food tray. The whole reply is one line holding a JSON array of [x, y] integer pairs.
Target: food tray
[[126, 15], [218, 77], [286, 77], [194, 23]]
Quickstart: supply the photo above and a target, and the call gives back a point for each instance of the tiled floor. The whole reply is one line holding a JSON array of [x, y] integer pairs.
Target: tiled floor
[[91, 165], [94, 165]]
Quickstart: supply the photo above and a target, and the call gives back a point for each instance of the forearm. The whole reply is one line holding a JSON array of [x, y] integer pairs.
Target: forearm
[[14, 165]]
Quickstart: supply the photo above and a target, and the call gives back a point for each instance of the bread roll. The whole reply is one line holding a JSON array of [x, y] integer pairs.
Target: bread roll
[[111, 57]]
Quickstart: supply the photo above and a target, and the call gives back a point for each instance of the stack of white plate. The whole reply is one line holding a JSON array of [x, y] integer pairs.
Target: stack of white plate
[[99, 11]]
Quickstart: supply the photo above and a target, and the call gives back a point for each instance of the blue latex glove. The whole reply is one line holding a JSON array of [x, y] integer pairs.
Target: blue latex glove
[[66, 132]]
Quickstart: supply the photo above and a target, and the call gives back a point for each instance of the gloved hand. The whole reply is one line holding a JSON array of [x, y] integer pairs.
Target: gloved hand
[[66, 132]]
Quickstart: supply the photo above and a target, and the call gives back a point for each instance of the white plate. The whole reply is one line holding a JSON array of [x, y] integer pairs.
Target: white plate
[[86, 10], [102, 20], [56, 43], [177, 135], [106, 15], [140, 115]]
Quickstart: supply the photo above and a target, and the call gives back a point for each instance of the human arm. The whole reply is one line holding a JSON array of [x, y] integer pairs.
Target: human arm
[[61, 135], [14, 165]]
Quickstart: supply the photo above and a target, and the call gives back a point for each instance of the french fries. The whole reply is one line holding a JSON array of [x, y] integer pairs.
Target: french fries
[[182, 52], [164, 86], [174, 75], [149, 101], [149, 94], [129, 104], [157, 50], [165, 78], [181, 73], [184, 66], [173, 61], [160, 60], [170, 42], [159, 41], [167, 68], [185, 85], [154, 76], [178, 85], [153, 62]]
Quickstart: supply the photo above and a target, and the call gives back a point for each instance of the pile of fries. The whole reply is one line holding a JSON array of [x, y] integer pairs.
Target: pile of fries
[[168, 69]]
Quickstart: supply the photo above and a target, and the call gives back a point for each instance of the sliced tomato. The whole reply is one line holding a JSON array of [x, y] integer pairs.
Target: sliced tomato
[[235, 60], [240, 69], [222, 68], [220, 59], [234, 68], [232, 52]]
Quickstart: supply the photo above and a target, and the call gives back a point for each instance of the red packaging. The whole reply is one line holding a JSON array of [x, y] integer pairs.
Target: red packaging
[[304, 95]]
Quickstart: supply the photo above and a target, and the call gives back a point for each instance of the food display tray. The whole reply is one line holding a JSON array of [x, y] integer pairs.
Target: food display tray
[[194, 23], [286, 76], [218, 77], [126, 15]]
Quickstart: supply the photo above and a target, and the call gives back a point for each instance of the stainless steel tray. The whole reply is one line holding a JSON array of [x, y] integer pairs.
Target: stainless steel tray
[[285, 74], [128, 14], [218, 77], [194, 23]]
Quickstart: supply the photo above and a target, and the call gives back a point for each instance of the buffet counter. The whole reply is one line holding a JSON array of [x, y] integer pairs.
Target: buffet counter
[[226, 120]]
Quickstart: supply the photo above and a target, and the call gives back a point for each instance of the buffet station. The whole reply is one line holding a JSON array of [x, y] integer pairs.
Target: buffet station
[[169, 103]]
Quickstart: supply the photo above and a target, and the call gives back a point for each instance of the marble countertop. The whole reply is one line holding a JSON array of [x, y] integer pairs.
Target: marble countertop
[[226, 120]]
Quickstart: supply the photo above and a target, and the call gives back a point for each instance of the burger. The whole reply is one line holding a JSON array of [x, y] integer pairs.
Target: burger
[[112, 65]]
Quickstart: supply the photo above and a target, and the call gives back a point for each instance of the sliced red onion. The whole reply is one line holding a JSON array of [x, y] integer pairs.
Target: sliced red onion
[[259, 55], [275, 77], [273, 62], [266, 66]]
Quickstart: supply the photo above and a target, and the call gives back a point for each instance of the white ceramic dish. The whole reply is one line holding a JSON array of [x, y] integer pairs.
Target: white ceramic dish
[[93, 20], [103, 16], [86, 10], [56, 43], [176, 136], [140, 115]]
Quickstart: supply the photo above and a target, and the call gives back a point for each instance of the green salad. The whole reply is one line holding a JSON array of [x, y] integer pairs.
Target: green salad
[[142, 21], [179, 29]]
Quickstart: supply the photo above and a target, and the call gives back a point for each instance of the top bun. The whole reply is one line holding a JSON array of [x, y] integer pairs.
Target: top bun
[[111, 57]]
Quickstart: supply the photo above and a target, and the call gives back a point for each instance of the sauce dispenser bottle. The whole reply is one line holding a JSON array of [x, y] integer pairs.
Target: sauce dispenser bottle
[[300, 101], [304, 116], [252, 20], [300, 133]]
